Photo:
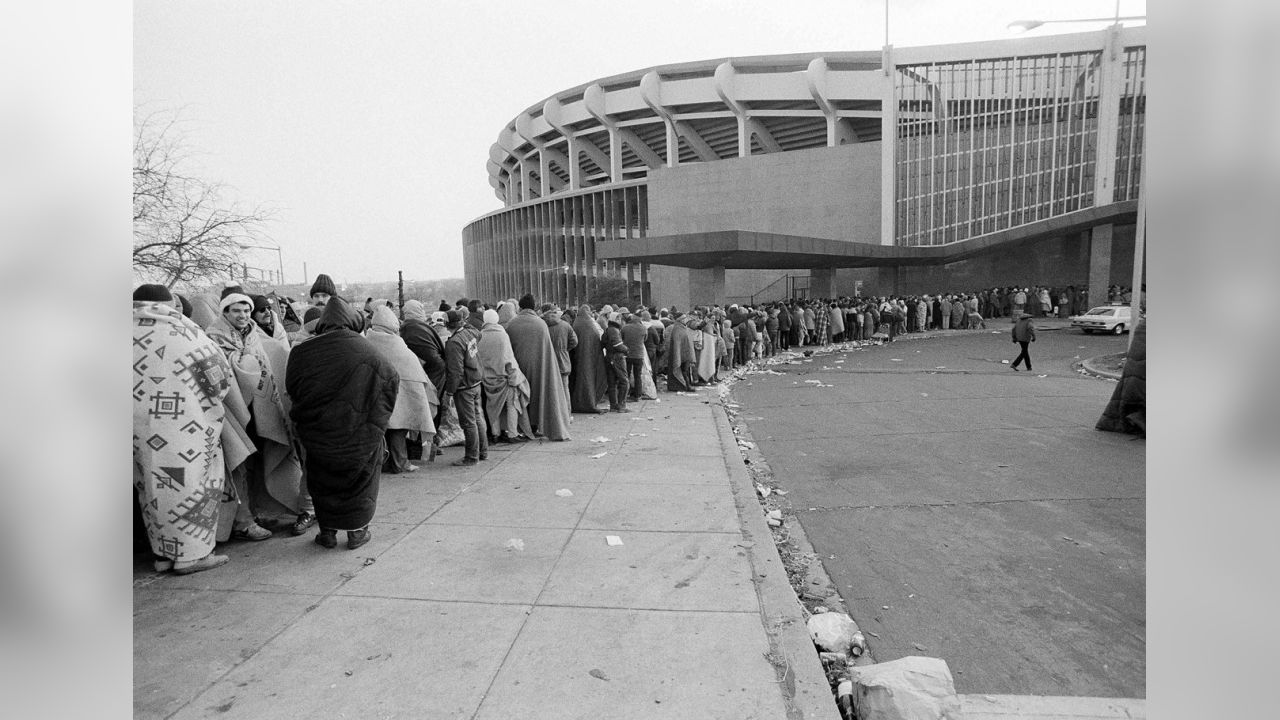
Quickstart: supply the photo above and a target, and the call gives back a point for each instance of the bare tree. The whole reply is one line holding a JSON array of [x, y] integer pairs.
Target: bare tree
[[183, 230]]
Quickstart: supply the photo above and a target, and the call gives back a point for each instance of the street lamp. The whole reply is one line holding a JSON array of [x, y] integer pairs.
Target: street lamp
[[279, 256]]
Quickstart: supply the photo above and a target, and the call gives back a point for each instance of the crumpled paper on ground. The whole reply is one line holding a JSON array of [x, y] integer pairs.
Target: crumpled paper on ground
[[910, 688]]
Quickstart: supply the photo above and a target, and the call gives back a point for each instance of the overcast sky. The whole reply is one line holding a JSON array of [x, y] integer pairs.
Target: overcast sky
[[367, 125]]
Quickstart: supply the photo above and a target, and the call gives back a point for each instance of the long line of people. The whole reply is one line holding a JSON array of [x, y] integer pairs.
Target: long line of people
[[254, 413]]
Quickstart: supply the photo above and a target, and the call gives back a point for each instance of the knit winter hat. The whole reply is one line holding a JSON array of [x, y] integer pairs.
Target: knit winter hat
[[490, 316], [323, 284], [152, 293], [260, 303], [232, 299]]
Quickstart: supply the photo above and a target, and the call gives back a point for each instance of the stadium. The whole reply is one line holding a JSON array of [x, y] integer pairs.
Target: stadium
[[751, 179]]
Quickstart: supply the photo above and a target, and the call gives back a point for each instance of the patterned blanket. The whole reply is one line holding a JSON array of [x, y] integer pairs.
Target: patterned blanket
[[180, 379], [262, 393]]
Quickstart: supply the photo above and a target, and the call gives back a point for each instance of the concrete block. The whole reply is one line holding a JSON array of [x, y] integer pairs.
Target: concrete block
[[515, 502], [463, 562], [185, 640], [653, 570], [599, 663], [370, 657], [700, 508]]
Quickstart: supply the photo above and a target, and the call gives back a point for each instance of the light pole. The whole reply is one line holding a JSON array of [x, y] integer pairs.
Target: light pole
[[279, 257]]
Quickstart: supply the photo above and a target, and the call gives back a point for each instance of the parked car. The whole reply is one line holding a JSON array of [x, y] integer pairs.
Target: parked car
[[1114, 319]]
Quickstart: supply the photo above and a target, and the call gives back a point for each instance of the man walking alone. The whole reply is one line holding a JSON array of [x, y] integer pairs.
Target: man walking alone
[[1024, 333]]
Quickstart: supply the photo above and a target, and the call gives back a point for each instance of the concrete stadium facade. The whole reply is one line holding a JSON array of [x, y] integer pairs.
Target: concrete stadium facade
[[757, 178]]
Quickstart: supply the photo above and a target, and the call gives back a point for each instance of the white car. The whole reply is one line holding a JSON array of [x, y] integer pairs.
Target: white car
[[1114, 319]]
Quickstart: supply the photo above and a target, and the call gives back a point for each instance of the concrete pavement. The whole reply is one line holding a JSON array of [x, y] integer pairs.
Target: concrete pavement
[[814, 437], [485, 593]]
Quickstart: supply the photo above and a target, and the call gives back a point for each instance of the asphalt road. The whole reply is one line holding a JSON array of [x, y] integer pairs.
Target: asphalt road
[[969, 512]]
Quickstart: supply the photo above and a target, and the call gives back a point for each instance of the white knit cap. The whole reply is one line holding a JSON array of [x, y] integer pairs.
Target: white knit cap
[[232, 299]]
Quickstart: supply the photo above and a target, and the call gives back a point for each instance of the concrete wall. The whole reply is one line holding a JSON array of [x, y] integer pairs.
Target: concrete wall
[[671, 285], [835, 193], [1055, 262], [824, 192]]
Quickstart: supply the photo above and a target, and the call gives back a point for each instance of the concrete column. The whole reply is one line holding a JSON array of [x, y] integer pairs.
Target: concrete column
[[575, 166], [544, 173], [1099, 264], [1110, 87], [888, 145], [822, 283], [615, 155], [706, 286], [673, 143]]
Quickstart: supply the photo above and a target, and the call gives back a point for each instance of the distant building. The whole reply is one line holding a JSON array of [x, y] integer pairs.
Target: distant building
[[756, 178]]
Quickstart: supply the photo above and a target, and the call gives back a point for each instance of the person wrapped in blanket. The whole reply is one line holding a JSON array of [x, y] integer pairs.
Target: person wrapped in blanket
[[343, 394], [180, 380], [266, 473]]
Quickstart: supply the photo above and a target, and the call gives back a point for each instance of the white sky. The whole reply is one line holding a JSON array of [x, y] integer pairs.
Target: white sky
[[367, 125]]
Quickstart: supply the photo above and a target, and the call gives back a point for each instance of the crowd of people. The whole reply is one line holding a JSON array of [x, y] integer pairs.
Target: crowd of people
[[254, 412]]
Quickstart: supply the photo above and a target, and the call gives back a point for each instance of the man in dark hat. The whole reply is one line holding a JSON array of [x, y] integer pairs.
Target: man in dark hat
[[343, 395], [322, 289], [263, 315]]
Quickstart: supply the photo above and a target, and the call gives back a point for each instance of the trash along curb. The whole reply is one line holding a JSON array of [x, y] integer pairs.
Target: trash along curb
[[804, 684], [1090, 366]]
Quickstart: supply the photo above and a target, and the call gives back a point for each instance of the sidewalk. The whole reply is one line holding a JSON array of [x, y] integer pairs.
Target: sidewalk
[[485, 594]]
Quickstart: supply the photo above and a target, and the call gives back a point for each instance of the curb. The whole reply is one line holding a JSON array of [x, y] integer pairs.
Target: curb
[[804, 685], [1090, 367]]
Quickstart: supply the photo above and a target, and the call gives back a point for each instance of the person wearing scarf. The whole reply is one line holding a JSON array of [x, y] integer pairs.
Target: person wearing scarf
[[506, 390], [269, 480], [180, 379], [343, 394], [588, 380], [416, 397]]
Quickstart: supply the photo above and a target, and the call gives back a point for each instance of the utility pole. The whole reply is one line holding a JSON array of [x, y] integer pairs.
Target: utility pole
[[400, 290]]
